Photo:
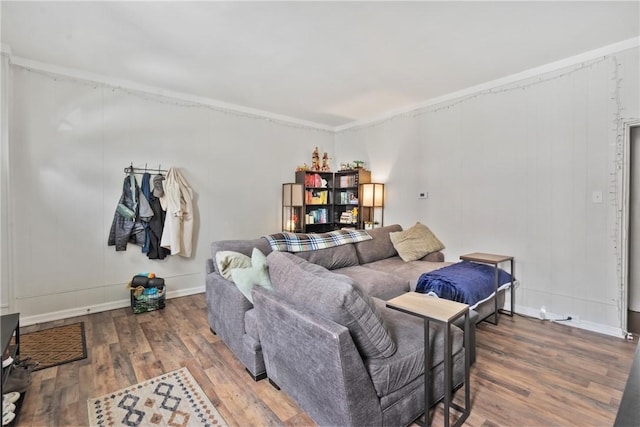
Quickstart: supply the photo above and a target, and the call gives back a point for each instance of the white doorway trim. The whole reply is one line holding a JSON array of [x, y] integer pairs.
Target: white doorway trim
[[624, 224]]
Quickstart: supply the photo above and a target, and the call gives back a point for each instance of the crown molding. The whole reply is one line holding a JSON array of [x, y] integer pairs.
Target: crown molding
[[153, 90], [514, 78], [134, 86]]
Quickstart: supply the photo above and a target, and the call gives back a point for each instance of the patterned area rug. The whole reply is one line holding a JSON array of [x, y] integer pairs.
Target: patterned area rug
[[173, 399], [54, 346]]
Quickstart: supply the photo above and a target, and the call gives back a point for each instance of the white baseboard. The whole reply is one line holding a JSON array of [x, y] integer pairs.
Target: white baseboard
[[81, 311], [589, 326]]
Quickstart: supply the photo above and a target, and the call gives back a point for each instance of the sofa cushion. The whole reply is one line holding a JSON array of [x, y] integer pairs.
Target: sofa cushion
[[332, 258], [415, 242], [331, 296], [375, 283], [228, 260], [379, 247], [407, 363], [246, 278], [409, 271]]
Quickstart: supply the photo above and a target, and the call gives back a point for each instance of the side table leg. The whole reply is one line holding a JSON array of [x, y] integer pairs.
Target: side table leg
[[447, 373], [467, 364], [427, 373], [513, 291], [495, 295]]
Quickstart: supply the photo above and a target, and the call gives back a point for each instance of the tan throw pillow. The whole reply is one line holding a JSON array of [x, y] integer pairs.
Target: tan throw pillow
[[415, 242], [227, 260]]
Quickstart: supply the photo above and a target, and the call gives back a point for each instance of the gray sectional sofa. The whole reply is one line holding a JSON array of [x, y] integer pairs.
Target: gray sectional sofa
[[325, 336]]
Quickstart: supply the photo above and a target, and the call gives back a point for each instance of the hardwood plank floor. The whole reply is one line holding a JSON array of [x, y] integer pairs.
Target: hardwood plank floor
[[528, 372]]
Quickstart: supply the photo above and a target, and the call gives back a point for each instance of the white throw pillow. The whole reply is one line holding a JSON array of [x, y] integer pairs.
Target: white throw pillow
[[257, 274], [227, 260]]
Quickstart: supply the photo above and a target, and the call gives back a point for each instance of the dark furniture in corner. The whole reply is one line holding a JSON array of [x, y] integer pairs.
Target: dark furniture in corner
[[629, 410], [10, 324]]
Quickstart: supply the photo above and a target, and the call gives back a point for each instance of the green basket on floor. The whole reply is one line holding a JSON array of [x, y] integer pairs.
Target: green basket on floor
[[147, 294]]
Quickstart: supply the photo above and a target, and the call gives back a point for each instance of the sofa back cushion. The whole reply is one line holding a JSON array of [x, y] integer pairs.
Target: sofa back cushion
[[334, 297], [243, 246], [332, 258], [379, 247]]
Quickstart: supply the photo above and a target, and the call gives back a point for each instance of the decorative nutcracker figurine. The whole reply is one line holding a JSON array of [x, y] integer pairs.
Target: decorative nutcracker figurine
[[325, 163], [315, 160]]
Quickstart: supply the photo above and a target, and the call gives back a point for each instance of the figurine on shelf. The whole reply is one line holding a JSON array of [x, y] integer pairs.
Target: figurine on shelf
[[315, 160], [325, 163], [304, 167], [359, 164]]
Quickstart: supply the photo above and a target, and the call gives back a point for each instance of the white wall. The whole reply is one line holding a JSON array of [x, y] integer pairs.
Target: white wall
[[71, 139], [512, 170], [509, 171], [5, 263]]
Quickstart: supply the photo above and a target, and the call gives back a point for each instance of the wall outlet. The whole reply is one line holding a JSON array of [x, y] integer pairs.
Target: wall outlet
[[423, 195], [543, 312]]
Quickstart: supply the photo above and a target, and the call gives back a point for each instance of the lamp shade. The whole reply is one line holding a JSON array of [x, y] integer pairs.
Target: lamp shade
[[292, 194], [372, 195]]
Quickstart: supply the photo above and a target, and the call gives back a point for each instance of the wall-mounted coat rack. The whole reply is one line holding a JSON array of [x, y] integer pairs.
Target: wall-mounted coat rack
[[131, 169]]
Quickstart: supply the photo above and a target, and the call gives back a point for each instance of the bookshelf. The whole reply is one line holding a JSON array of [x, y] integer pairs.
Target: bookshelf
[[323, 201], [317, 198], [347, 201]]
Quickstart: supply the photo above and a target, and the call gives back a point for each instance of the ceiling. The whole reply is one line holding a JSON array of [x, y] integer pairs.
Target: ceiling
[[330, 63]]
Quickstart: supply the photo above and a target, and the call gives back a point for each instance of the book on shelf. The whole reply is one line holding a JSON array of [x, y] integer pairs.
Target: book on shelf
[[348, 198], [348, 181], [346, 217], [318, 216], [314, 180], [316, 197]]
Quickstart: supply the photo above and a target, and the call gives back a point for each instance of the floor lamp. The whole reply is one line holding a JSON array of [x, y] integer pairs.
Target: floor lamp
[[372, 202], [292, 207]]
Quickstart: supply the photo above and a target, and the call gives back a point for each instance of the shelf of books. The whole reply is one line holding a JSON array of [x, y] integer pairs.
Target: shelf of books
[[329, 200], [318, 201], [346, 196]]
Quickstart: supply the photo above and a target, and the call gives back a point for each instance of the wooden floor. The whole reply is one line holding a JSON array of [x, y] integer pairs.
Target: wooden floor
[[528, 372]]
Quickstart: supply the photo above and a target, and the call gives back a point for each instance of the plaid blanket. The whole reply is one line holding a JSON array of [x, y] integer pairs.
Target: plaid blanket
[[299, 242]]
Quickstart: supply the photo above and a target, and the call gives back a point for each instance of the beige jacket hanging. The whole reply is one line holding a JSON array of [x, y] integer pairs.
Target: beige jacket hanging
[[177, 235]]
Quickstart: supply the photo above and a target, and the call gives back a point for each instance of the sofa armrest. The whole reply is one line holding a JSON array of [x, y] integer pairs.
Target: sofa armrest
[[316, 362], [209, 266], [226, 307]]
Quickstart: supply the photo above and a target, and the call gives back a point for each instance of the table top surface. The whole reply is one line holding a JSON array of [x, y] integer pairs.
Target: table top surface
[[427, 306], [485, 257]]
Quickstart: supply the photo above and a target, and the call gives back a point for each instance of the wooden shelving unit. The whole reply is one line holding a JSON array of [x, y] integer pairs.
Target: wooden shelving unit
[[329, 201]]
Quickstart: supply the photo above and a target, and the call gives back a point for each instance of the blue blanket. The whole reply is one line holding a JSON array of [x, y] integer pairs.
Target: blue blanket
[[465, 281]]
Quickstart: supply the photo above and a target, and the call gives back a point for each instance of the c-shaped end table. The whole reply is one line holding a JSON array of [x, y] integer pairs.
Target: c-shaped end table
[[493, 259], [445, 312]]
